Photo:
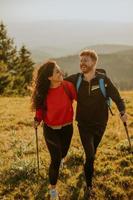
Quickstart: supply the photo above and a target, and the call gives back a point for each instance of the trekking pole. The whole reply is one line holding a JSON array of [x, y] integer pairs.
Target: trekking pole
[[126, 129], [37, 151]]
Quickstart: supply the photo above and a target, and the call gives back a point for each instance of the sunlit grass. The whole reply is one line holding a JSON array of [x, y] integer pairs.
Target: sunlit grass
[[113, 178]]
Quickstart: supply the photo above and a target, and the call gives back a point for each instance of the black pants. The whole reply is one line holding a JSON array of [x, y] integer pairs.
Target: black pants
[[90, 138], [58, 142]]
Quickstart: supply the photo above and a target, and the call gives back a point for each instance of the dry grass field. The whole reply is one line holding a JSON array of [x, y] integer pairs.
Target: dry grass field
[[113, 178]]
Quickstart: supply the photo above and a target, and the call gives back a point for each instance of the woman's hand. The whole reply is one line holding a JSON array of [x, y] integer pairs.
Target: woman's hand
[[123, 117]]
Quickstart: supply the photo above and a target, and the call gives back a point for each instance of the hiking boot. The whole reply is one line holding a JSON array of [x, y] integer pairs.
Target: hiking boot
[[53, 194], [87, 193]]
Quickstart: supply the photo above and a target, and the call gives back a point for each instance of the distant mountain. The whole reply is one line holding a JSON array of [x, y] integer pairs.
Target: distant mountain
[[109, 48], [41, 54], [119, 66], [58, 38]]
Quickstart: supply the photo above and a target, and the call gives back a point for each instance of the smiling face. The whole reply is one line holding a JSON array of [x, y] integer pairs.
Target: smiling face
[[86, 64], [57, 76]]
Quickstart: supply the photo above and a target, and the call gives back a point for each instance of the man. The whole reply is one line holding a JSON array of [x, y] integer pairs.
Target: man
[[92, 108]]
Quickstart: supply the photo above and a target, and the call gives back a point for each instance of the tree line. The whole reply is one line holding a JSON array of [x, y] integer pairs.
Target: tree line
[[16, 66]]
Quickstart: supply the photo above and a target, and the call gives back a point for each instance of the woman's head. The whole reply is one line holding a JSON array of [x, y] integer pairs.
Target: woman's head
[[45, 71], [56, 76], [49, 72], [46, 74]]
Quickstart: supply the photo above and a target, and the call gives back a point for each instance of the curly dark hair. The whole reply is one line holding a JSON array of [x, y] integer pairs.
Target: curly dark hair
[[41, 84]]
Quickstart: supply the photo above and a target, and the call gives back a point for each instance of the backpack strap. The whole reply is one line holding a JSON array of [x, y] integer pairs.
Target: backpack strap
[[102, 87], [67, 91], [79, 80], [103, 90]]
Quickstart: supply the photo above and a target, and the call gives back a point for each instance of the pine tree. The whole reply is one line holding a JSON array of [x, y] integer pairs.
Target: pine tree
[[8, 52], [15, 67], [4, 75], [8, 61], [24, 70]]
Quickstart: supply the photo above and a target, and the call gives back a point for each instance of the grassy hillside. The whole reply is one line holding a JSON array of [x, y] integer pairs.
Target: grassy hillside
[[113, 178]]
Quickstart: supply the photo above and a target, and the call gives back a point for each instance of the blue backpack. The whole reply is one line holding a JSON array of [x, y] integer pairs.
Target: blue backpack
[[101, 85]]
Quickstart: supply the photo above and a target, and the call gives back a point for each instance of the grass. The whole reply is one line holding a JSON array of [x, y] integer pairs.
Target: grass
[[113, 177]]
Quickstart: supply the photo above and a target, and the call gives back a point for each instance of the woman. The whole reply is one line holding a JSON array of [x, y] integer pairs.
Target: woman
[[52, 99]]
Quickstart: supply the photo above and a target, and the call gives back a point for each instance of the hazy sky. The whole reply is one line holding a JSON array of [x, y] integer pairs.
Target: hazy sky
[[27, 10]]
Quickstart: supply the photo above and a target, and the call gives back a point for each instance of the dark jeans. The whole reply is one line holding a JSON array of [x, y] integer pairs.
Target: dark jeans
[[58, 142], [90, 138]]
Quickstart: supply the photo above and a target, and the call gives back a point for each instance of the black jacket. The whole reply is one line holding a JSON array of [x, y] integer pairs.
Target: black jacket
[[92, 108]]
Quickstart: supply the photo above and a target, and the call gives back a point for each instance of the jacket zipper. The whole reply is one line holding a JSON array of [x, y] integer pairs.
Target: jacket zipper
[[89, 88]]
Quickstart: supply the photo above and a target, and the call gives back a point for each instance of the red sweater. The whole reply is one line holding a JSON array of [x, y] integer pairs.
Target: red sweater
[[59, 110]]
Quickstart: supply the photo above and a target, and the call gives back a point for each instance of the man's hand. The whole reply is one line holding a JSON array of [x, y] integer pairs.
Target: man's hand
[[123, 117]]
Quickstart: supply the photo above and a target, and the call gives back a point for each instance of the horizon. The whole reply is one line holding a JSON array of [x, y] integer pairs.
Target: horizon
[[44, 24], [79, 33]]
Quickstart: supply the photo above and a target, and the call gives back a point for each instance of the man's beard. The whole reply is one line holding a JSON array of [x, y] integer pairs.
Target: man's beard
[[87, 68]]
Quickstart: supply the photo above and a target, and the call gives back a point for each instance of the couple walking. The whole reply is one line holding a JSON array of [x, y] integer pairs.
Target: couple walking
[[52, 100]]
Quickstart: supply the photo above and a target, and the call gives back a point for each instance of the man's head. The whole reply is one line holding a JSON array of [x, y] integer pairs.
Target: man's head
[[88, 60]]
